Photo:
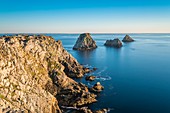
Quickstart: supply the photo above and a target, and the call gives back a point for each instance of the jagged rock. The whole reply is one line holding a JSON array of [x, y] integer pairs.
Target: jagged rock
[[101, 111], [85, 42], [78, 110], [113, 43], [90, 78], [97, 87], [86, 110], [87, 70], [33, 70], [127, 38], [75, 95]]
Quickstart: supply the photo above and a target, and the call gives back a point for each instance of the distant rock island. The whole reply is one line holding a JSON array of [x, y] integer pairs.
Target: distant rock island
[[113, 43], [35, 76], [85, 42], [127, 38]]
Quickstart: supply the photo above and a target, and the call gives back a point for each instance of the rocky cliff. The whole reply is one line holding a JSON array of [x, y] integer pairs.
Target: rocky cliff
[[35, 76], [85, 42]]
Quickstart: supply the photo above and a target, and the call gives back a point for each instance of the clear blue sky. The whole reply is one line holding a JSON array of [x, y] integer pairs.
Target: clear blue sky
[[76, 16]]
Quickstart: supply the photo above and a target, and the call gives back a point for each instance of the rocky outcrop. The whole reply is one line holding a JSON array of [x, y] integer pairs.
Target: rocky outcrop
[[71, 67], [75, 94], [113, 43], [34, 76], [85, 42], [97, 87], [102, 111], [127, 38], [90, 78]]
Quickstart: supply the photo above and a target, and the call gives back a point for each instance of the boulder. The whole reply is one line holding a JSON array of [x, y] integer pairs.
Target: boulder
[[127, 38], [113, 43], [97, 88], [85, 42], [90, 78]]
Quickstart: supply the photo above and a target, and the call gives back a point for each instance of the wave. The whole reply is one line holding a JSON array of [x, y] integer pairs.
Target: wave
[[103, 78], [87, 66], [103, 70], [110, 109], [100, 75]]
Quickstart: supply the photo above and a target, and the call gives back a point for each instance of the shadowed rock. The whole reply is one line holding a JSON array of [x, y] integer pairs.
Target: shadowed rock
[[113, 43], [85, 42], [127, 38]]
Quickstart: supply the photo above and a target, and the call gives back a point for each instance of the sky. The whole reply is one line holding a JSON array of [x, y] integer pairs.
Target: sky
[[77, 16]]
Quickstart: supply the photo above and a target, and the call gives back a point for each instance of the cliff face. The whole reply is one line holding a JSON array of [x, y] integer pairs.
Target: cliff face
[[34, 70]]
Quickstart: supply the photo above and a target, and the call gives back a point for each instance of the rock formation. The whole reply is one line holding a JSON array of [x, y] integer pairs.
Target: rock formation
[[127, 38], [102, 111], [113, 43], [85, 42], [35, 76], [97, 87], [90, 78]]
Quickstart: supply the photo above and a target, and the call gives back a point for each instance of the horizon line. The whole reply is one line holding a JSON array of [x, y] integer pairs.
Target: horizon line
[[85, 32]]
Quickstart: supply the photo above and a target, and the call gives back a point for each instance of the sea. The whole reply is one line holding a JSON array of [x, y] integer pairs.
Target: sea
[[136, 77]]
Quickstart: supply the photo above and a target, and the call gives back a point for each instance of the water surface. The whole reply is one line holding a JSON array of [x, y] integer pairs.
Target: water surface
[[136, 77]]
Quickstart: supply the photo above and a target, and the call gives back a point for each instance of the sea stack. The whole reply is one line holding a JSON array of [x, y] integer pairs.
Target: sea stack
[[127, 38], [113, 43], [85, 42]]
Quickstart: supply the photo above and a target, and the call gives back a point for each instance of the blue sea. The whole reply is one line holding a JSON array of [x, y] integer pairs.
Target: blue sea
[[136, 77]]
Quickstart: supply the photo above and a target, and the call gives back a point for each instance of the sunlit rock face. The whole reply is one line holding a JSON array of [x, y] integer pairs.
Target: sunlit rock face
[[34, 70]]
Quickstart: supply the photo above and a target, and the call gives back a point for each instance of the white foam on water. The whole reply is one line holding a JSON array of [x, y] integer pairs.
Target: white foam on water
[[103, 78], [110, 109], [87, 66], [103, 70]]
